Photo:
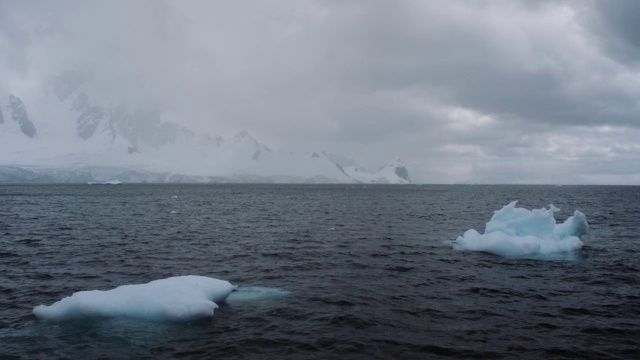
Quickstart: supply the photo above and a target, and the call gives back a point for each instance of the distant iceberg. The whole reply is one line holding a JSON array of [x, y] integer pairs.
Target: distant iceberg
[[178, 298], [518, 232]]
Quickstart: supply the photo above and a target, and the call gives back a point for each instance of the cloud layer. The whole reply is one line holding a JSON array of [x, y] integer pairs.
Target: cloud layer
[[461, 90]]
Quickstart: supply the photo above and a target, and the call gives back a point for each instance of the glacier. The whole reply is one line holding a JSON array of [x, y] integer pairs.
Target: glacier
[[518, 232], [179, 298]]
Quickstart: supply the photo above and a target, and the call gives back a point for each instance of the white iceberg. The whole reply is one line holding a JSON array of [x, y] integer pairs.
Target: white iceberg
[[179, 298], [518, 232]]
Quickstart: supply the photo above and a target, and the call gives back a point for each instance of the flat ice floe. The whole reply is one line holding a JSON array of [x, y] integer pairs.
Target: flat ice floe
[[518, 232], [177, 298]]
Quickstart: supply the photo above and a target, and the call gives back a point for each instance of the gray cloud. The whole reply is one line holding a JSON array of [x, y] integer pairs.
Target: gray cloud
[[455, 88], [13, 41], [618, 28]]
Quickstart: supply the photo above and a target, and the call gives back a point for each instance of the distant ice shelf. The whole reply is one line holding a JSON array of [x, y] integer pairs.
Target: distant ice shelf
[[114, 175]]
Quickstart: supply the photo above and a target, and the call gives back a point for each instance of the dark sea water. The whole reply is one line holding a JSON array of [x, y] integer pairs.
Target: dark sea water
[[367, 268]]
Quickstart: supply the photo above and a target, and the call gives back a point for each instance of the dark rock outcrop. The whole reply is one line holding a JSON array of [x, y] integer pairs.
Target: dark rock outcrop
[[402, 173], [19, 115], [88, 121]]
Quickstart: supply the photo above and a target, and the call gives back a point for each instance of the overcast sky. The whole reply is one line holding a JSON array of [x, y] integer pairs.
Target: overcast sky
[[458, 89]]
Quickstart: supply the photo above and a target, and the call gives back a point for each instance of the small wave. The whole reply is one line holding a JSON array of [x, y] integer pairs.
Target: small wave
[[437, 350], [7, 254], [349, 320], [333, 301], [398, 268]]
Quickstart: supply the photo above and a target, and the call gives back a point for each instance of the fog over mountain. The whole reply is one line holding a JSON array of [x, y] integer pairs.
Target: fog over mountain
[[320, 91]]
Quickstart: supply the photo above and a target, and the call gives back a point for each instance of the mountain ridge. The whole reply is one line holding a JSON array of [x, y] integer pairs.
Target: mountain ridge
[[80, 133]]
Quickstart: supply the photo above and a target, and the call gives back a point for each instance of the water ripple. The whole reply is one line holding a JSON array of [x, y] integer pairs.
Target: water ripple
[[366, 268]]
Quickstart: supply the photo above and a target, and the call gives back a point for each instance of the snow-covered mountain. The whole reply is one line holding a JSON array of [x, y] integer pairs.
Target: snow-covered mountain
[[394, 170], [70, 137]]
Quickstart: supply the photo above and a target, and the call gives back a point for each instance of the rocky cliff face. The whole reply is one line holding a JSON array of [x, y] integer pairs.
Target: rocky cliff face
[[399, 169], [90, 117], [19, 114], [137, 127]]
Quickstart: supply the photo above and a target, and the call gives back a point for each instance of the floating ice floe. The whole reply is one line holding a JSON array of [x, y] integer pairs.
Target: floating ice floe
[[177, 298], [518, 232]]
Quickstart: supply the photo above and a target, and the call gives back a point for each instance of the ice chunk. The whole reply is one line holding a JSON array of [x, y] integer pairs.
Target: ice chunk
[[518, 232], [177, 298]]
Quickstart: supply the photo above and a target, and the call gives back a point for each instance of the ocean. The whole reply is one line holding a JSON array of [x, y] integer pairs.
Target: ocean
[[341, 271]]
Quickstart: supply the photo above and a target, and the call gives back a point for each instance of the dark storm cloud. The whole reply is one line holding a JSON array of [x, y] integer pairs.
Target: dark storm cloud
[[474, 55], [619, 28]]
